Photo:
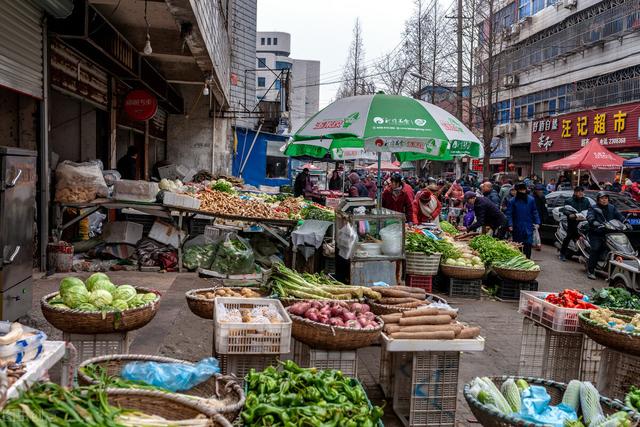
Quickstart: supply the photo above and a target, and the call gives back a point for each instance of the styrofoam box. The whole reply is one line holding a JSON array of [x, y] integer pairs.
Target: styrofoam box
[[166, 233], [122, 232], [135, 191], [180, 200]]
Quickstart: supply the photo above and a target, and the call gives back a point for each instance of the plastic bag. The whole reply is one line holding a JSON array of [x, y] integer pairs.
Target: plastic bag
[[111, 176], [391, 236], [234, 256], [195, 257], [536, 238], [80, 182], [171, 376], [346, 241], [536, 408]]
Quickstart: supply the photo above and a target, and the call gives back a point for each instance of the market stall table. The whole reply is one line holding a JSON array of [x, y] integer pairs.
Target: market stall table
[[52, 353]]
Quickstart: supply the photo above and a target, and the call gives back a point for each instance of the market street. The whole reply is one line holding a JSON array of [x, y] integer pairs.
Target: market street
[[177, 332]]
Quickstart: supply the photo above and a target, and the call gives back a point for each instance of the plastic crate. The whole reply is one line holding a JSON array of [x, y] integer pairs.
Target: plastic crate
[[510, 289], [93, 345], [591, 360], [386, 370], [344, 361], [618, 372], [329, 265], [251, 338], [239, 365], [426, 388], [419, 281], [423, 264], [465, 288], [560, 319]]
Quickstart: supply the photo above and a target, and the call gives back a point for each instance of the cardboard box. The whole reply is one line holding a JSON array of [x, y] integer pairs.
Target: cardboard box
[[122, 232], [167, 234]]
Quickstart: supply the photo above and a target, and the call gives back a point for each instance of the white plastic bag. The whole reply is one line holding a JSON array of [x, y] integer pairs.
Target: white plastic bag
[[391, 236], [80, 182], [537, 243], [346, 241]]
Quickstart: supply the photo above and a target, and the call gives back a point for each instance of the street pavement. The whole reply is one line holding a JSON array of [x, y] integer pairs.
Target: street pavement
[[176, 332]]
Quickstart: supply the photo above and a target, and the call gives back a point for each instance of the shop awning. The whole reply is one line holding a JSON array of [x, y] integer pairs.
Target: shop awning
[[632, 163], [592, 156]]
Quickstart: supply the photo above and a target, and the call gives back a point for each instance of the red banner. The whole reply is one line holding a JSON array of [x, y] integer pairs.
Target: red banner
[[616, 127]]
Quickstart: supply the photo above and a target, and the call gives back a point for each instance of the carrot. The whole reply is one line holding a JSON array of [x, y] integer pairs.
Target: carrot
[[425, 320], [421, 312], [441, 335]]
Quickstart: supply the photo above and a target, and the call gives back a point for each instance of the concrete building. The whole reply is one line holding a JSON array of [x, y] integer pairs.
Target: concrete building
[[568, 72], [280, 75]]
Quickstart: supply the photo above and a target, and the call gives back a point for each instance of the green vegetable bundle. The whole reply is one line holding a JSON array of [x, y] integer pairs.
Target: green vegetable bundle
[[313, 212], [222, 185], [449, 228], [615, 298], [418, 242], [492, 250], [306, 397], [632, 399], [519, 262], [99, 373], [195, 257], [234, 256]]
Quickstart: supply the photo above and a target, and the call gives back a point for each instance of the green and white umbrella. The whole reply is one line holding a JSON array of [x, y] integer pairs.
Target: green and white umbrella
[[410, 128]]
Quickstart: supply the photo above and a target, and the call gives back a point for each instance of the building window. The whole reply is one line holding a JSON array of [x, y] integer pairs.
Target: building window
[[552, 107], [262, 41], [523, 9], [261, 82], [530, 111], [277, 164], [282, 65], [516, 114], [262, 63], [536, 6], [269, 41], [503, 110], [561, 104], [278, 85], [275, 41]]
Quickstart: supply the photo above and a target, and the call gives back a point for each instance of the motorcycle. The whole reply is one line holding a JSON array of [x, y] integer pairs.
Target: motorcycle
[[616, 243], [561, 216]]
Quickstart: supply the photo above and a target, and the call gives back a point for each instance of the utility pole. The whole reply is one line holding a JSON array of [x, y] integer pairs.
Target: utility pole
[[459, 80], [471, 71], [356, 59], [435, 51], [420, 50]]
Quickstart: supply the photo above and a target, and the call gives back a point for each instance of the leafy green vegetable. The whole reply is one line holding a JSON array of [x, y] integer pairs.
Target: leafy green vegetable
[[418, 242], [447, 227], [100, 298], [519, 262], [195, 257], [633, 398], [313, 212], [234, 256], [95, 278], [124, 293], [68, 283], [222, 185], [492, 250], [75, 296], [615, 298]]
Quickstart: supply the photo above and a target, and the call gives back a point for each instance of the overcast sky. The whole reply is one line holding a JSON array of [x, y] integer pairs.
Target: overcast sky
[[322, 30]]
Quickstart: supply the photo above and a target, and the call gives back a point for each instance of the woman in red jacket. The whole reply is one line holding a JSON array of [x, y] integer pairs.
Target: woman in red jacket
[[426, 207]]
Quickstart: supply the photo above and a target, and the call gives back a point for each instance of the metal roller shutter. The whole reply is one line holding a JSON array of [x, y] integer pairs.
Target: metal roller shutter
[[21, 47]]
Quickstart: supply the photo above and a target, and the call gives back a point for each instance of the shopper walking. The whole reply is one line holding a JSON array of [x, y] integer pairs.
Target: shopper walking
[[426, 207], [598, 215], [395, 199], [522, 218], [487, 213]]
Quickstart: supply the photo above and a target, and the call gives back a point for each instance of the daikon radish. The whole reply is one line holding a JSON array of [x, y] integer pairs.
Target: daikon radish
[[425, 320]]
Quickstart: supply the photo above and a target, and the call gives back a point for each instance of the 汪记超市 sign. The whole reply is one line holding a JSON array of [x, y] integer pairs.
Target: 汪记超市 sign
[[615, 126]]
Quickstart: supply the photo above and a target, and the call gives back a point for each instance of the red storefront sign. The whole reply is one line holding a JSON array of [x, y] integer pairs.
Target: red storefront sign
[[140, 105], [616, 127]]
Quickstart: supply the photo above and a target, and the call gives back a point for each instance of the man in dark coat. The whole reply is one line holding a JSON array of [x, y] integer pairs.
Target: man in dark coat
[[579, 203], [489, 193], [522, 218], [127, 165], [598, 215], [541, 203], [487, 213], [302, 183]]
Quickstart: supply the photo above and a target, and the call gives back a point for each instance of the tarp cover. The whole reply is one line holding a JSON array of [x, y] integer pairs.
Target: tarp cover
[[591, 156], [632, 163]]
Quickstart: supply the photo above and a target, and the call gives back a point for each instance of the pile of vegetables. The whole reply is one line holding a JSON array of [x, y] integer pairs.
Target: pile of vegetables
[[315, 211], [287, 283], [336, 313], [98, 294], [419, 242], [630, 325], [223, 203], [427, 323], [449, 228], [518, 262], [306, 397], [493, 250], [570, 298], [223, 186], [632, 400], [579, 397], [615, 298]]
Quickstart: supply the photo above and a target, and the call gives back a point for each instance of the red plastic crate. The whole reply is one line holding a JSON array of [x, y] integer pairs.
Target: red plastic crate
[[419, 281]]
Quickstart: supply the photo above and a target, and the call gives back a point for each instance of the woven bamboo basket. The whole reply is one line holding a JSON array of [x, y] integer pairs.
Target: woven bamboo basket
[[203, 307], [82, 322], [215, 389], [423, 264], [380, 309], [625, 311], [489, 417], [324, 337], [603, 335], [167, 405], [462, 273], [517, 275]]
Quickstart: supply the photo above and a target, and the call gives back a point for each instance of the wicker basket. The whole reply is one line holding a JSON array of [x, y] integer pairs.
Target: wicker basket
[[422, 264], [204, 307], [167, 405], [82, 322], [217, 387], [380, 309], [463, 273], [603, 335], [625, 311], [516, 275], [489, 417], [324, 337]]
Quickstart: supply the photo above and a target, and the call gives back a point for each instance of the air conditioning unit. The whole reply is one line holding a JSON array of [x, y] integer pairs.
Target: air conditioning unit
[[510, 80], [498, 130], [515, 29], [511, 128], [570, 4]]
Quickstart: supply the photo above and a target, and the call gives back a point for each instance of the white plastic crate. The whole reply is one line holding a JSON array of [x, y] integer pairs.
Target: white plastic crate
[[239, 365], [386, 370], [560, 319], [87, 346], [251, 338], [618, 371], [344, 361]]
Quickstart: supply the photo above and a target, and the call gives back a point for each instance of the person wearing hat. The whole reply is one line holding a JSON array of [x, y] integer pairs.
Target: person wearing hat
[[522, 218], [579, 203], [486, 212], [426, 207], [541, 202], [597, 216], [357, 188], [396, 199]]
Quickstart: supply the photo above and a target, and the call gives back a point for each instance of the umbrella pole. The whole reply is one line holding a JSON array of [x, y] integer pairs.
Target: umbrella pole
[[621, 171], [579, 173], [379, 179]]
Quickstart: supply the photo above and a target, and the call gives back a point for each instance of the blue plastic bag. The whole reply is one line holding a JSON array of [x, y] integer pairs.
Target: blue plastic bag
[[536, 408], [171, 376]]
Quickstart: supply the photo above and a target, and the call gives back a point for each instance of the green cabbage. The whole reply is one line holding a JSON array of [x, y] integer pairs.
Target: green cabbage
[[68, 283], [61, 306], [125, 293], [95, 278], [75, 296], [136, 301], [56, 300], [104, 285], [120, 305], [100, 298], [87, 307], [148, 297]]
